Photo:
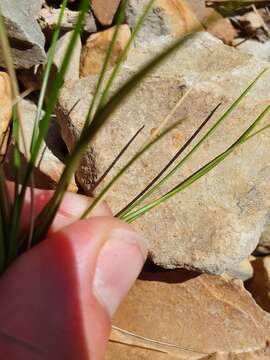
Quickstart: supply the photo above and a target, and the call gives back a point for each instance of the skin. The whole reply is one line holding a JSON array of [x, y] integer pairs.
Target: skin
[[58, 299]]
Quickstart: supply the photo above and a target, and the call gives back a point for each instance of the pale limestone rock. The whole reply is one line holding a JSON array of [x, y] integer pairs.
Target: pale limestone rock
[[95, 49], [167, 18], [48, 20], [243, 271], [73, 71], [218, 221], [5, 110], [201, 317]]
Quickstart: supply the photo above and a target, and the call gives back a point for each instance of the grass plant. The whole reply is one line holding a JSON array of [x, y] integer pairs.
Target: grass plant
[[102, 106]]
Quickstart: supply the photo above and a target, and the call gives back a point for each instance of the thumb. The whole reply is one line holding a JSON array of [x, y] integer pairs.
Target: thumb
[[57, 300]]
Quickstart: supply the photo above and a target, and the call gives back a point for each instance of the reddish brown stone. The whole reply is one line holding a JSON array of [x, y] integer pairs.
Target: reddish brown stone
[[105, 10]]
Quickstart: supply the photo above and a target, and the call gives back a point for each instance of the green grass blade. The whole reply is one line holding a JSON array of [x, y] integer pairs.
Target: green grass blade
[[130, 217], [44, 124], [124, 53], [11, 223], [121, 172], [118, 157], [199, 143], [57, 84], [120, 19], [133, 203], [47, 72], [15, 218]]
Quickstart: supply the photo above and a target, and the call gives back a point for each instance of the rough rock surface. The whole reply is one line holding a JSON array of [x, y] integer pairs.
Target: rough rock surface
[[264, 244], [49, 168], [228, 321], [167, 18], [217, 222], [244, 271], [256, 48], [5, 109], [73, 71], [26, 38], [259, 284], [105, 10], [48, 19], [95, 49], [213, 22]]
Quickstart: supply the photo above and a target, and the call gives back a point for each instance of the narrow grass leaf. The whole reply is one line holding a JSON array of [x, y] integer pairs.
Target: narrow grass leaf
[[122, 171], [119, 21], [118, 157], [133, 203], [130, 217], [47, 72], [201, 141], [124, 53]]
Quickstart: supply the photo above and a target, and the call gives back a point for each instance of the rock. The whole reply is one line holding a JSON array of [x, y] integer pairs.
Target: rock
[[48, 19], [5, 110], [244, 271], [105, 10], [26, 38], [256, 48], [252, 25], [213, 22], [259, 284], [73, 71], [263, 247], [171, 18], [30, 78], [33, 7], [191, 320], [94, 51], [49, 168], [217, 222]]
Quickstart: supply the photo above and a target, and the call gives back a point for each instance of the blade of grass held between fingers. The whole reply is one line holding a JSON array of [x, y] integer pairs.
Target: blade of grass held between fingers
[[118, 157], [103, 193], [156, 132], [120, 19], [47, 215], [124, 53], [57, 84], [46, 75], [130, 217], [198, 144], [132, 204], [40, 104], [17, 132]]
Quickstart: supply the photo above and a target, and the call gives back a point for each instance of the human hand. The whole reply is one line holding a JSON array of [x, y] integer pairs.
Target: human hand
[[57, 300]]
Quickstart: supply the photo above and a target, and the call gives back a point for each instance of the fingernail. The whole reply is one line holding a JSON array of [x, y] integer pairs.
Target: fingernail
[[119, 264]]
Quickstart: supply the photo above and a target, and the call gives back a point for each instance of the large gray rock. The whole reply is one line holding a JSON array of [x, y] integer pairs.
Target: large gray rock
[[25, 36], [217, 222]]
